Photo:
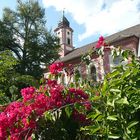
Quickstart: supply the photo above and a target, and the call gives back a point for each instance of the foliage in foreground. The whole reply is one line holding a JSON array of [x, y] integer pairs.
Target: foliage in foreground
[[116, 113], [78, 111]]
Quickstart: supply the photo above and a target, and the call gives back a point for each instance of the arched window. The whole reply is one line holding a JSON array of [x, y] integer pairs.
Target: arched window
[[63, 79], [117, 60], [68, 41], [93, 73]]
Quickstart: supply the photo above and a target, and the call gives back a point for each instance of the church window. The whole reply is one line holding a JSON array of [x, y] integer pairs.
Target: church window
[[68, 33], [117, 60], [93, 73]]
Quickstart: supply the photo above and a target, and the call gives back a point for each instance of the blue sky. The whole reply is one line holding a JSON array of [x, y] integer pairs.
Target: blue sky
[[7, 3], [88, 18]]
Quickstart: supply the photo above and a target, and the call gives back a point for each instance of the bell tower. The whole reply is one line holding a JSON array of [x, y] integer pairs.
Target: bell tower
[[65, 33]]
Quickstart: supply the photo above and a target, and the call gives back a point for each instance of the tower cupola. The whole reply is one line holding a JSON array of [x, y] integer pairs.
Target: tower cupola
[[65, 33], [63, 22]]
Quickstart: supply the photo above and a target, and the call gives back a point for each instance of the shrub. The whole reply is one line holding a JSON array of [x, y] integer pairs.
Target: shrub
[[79, 110]]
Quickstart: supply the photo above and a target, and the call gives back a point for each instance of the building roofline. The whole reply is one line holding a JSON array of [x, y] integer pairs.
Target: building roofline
[[133, 31]]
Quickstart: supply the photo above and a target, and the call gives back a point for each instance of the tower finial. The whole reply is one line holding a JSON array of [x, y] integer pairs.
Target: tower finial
[[63, 12]]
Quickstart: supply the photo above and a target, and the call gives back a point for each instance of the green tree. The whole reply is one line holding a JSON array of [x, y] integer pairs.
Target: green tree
[[11, 82], [7, 61], [24, 32]]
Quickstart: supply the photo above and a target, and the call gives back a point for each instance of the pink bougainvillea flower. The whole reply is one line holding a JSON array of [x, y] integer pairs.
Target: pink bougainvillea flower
[[101, 42], [27, 93], [51, 83], [87, 105], [56, 68], [98, 45], [78, 93], [101, 38], [19, 118]]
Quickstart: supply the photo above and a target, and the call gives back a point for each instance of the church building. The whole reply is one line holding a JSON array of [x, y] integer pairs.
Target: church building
[[100, 66]]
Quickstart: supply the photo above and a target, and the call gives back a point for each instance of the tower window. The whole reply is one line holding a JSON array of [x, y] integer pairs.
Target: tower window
[[68, 33], [68, 41], [60, 40]]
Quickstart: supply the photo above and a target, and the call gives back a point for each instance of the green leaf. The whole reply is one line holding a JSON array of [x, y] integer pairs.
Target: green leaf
[[99, 118], [94, 115], [96, 98], [33, 136], [113, 74], [110, 103], [105, 86], [48, 115], [13, 89], [126, 74], [123, 101], [113, 118], [125, 54], [114, 136], [115, 90], [68, 111], [93, 129], [131, 124]]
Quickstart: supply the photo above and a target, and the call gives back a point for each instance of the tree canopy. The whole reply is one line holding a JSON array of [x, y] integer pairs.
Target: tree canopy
[[24, 32]]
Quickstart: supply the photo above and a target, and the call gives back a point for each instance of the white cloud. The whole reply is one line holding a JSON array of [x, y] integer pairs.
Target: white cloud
[[100, 16]]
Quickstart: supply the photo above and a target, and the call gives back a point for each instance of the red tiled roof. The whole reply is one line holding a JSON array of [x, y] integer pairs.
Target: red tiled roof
[[132, 31]]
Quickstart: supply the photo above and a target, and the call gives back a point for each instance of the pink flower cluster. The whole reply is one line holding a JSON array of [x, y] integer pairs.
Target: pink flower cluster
[[56, 68], [15, 123], [76, 95], [101, 42], [56, 94], [27, 93], [19, 119]]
